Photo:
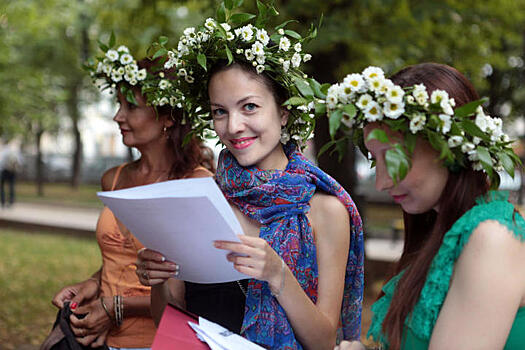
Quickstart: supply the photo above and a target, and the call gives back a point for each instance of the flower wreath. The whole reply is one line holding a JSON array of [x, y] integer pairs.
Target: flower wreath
[[117, 67], [465, 137], [242, 37]]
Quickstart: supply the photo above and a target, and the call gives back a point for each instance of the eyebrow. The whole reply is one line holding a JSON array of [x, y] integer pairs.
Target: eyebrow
[[241, 101]]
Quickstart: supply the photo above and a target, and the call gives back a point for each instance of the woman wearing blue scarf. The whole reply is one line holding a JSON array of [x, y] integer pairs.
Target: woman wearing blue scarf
[[303, 242]]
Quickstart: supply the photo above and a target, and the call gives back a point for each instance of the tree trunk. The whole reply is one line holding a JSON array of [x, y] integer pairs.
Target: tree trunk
[[38, 162], [74, 113]]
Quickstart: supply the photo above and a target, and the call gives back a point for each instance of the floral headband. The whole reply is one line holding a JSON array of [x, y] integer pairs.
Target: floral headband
[[242, 37], [465, 137], [117, 67]]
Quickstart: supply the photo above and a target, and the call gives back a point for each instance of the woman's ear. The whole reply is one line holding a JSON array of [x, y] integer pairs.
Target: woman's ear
[[168, 121], [284, 116]]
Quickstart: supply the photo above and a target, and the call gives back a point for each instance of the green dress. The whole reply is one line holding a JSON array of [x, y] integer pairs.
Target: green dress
[[419, 326]]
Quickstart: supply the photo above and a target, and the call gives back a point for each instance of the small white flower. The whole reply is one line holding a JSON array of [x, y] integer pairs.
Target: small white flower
[[262, 36], [99, 67], [364, 101], [332, 96], [133, 82], [205, 37], [373, 112], [420, 94], [173, 101], [345, 92], [226, 26], [281, 31], [447, 108], [445, 123], [164, 84], [189, 79], [182, 72], [296, 60], [230, 36], [477, 166], [284, 44], [210, 24], [238, 51], [395, 94], [161, 74], [258, 48], [393, 110], [116, 77], [260, 59], [376, 84], [417, 123], [410, 99], [297, 47], [355, 82], [246, 33], [373, 72], [123, 48], [476, 140], [189, 32], [259, 69], [141, 74], [467, 147], [386, 85], [106, 68], [504, 138], [163, 101], [481, 121], [249, 55], [112, 55], [182, 49], [121, 70], [254, 63], [452, 102], [286, 65], [131, 68], [129, 76], [438, 96], [346, 120], [307, 57], [126, 59], [455, 141]]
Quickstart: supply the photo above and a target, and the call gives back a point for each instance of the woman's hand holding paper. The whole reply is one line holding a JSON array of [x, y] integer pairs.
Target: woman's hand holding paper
[[153, 268]]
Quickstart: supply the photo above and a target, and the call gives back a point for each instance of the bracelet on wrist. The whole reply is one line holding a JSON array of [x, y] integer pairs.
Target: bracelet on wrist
[[104, 306], [119, 310], [283, 270]]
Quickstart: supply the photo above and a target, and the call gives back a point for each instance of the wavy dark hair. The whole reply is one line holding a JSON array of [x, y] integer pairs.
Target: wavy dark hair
[[186, 156], [424, 232]]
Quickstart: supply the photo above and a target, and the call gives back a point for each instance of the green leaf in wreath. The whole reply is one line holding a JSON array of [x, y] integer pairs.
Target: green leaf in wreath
[[295, 101], [320, 108], [163, 40], [160, 52], [410, 142], [102, 46], [325, 148], [471, 128], [293, 34], [221, 13], [241, 18], [201, 58], [228, 54], [379, 135], [228, 4], [284, 24], [397, 163], [334, 121], [484, 155], [316, 87], [507, 163], [350, 110], [469, 108], [303, 87], [237, 3], [112, 40]]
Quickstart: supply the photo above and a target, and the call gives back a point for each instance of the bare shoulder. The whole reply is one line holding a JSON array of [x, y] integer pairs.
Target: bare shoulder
[[107, 179], [200, 172], [328, 211], [493, 237]]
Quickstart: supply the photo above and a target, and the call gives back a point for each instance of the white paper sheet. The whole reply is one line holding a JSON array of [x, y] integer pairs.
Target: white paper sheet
[[181, 219], [218, 337]]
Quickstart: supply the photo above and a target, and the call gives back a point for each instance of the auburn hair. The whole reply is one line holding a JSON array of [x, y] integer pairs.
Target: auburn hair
[[186, 156], [424, 232]]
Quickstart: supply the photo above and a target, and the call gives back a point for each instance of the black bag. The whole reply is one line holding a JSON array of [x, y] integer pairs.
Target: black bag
[[61, 336]]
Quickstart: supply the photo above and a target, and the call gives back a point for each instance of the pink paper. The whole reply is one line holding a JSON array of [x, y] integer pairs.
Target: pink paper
[[175, 333]]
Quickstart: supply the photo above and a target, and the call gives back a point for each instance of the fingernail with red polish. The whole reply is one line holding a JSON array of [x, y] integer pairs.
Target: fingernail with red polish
[[73, 306]]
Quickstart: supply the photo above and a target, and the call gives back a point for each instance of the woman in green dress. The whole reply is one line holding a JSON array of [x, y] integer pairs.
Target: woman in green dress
[[460, 282]]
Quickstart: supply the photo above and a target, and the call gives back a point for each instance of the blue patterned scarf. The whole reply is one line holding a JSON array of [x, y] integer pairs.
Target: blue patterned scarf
[[278, 200]]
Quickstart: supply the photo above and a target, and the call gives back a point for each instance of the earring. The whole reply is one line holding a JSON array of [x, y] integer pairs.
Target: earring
[[165, 132]]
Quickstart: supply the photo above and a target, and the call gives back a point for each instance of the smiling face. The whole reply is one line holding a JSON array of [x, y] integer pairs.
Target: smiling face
[[421, 189], [139, 125], [247, 118]]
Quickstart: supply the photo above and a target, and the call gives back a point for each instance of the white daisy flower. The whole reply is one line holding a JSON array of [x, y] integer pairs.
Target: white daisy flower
[[455, 141], [258, 48], [246, 33], [230, 36], [386, 86], [355, 82], [452, 102], [106, 68], [373, 72], [129, 76], [121, 70], [477, 166], [393, 110], [249, 55], [417, 123], [481, 121], [332, 96], [504, 138], [476, 140], [445, 123], [189, 79], [99, 67], [123, 48], [286, 65], [126, 59], [189, 32], [446, 107], [364, 101], [345, 92], [163, 101], [112, 55], [133, 82], [226, 26], [373, 112], [297, 47], [210, 24], [260, 59], [205, 37], [420, 94], [116, 77], [173, 101], [395, 94], [281, 31], [438, 96], [467, 147], [259, 69], [262, 36], [376, 84], [284, 44], [296, 60], [307, 57], [164, 84], [141, 74], [182, 72], [411, 100], [131, 68]]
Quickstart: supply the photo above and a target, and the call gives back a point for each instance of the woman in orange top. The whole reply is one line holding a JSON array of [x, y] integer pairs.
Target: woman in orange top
[[116, 304]]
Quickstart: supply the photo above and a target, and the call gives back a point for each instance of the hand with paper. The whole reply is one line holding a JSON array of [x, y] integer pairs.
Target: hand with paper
[[153, 268]]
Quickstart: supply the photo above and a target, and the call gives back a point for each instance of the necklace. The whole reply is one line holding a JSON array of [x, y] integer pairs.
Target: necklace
[[242, 288]]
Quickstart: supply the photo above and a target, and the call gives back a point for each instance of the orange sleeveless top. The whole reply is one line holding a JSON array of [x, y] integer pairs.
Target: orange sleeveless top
[[119, 253]]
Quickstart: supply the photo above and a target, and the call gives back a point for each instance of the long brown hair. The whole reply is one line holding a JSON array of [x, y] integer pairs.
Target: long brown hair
[[188, 156], [424, 232]]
